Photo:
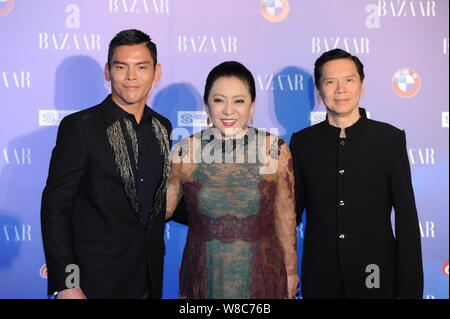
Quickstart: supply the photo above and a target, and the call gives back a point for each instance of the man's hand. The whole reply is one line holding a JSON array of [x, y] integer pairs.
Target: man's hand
[[73, 293]]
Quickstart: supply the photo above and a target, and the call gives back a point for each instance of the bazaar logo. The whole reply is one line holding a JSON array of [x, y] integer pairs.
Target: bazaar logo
[[275, 10], [43, 271], [406, 83], [445, 268], [5, 7]]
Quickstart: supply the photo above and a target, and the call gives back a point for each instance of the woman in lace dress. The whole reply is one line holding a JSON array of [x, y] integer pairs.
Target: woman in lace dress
[[237, 182]]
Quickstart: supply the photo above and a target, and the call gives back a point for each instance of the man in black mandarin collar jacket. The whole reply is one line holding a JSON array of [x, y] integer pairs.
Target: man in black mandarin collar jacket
[[104, 204], [349, 176]]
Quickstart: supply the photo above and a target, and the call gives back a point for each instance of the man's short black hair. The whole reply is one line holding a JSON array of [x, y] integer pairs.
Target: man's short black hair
[[334, 55], [132, 37]]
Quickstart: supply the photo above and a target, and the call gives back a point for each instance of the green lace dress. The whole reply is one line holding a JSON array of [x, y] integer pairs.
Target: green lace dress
[[242, 238]]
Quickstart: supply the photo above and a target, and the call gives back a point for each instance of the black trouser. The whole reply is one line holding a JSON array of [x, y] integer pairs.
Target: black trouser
[[148, 291]]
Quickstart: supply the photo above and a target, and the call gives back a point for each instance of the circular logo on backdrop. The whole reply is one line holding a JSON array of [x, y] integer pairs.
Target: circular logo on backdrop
[[6, 7], [445, 268], [43, 271], [406, 83], [275, 10]]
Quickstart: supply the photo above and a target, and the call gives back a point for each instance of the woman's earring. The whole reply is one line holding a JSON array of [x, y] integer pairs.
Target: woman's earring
[[208, 122], [251, 120]]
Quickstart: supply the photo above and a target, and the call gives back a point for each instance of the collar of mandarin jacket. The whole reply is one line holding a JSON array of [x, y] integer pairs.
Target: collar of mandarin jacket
[[352, 132], [122, 159]]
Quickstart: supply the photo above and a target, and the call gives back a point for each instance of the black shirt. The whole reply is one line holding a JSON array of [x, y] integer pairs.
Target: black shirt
[[145, 159], [349, 187]]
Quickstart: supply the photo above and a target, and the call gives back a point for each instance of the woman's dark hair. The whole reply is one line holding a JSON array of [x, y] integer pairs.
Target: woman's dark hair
[[230, 69], [132, 37], [334, 55]]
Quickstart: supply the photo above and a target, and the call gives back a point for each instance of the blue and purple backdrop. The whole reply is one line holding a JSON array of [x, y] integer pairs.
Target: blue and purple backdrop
[[52, 55]]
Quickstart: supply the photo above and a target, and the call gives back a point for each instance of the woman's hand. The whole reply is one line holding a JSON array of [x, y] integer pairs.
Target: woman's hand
[[292, 284]]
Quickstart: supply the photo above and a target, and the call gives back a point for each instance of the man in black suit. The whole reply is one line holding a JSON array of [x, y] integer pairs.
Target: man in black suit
[[350, 172], [103, 206]]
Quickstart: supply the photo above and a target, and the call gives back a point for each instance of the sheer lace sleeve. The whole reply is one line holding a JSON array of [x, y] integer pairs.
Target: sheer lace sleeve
[[285, 208], [174, 189]]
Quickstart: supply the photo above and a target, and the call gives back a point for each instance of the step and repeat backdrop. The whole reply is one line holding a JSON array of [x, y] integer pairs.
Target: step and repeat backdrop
[[52, 55]]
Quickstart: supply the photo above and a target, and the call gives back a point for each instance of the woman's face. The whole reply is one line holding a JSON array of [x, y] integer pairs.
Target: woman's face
[[230, 105]]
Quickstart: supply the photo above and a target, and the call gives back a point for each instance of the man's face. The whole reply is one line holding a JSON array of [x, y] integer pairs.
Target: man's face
[[132, 74], [340, 86]]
